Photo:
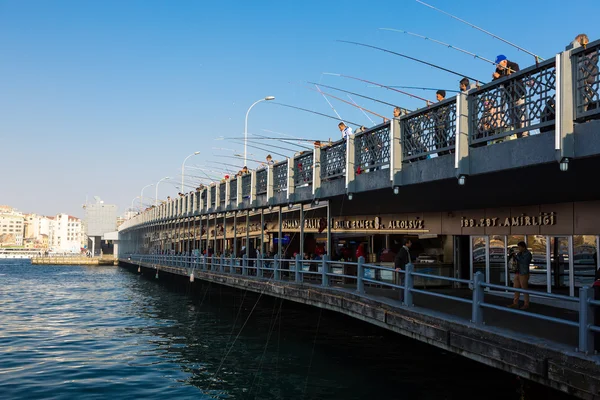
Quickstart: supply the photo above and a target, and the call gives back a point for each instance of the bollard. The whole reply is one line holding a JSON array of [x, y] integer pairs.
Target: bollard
[[586, 319], [245, 265], [477, 313], [276, 270], [360, 273], [298, 267], [408, 284], [325, 271]]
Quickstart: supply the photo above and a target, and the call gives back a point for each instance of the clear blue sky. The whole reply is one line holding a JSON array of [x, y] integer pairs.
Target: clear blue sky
[[103, 97]]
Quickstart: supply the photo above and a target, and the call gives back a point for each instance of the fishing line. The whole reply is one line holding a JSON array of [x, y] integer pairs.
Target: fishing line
[[359, 95], [330, 105], [310, 111], [363, 111], [312, 352]]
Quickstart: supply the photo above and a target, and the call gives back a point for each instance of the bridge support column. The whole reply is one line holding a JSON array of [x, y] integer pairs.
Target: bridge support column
[[350, 163], [396, 152], [564, 110], [316, 183], [461, 155]]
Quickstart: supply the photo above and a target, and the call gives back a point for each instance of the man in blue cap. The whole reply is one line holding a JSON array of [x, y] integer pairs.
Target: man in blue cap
[[504, 67], [515, 93]]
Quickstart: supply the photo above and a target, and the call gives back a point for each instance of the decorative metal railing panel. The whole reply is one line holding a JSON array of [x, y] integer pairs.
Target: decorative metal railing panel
[[333, 160], [429, 130], [372, 148], [515, 105], [280, 176], [204, 200], [246, 182], [213, 191], [303, 169], [197, 200], [261, 181], [222, 193], [233, 190], [587, 81]]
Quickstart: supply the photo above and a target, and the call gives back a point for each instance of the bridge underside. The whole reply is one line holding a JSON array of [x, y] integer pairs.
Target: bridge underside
[[549, 363]]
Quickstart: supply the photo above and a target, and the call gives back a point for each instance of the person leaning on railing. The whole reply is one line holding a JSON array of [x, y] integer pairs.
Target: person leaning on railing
[[588, 65], [514, 90]]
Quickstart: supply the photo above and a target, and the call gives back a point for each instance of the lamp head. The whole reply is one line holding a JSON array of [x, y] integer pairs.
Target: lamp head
[[270, 98]]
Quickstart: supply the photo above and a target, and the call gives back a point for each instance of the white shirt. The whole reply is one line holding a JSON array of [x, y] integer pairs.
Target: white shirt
[[346, 133]]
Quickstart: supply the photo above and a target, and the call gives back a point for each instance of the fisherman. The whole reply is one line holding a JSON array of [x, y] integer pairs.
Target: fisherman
[[466, 86], [588, 65], [270, 160], [244, 170], [397, 112], [515, 92], [346, 130], [440, 95]]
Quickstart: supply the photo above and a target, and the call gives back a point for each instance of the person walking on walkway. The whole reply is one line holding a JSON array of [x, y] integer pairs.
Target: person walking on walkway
[[522, 259]]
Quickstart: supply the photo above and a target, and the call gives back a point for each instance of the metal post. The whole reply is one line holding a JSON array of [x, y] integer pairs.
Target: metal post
[[478, 292], [235, 249], [259, 270], [262, 233], [586, 319], [302, 229], [328, 229], [224, 232], [244, 265], [360, 285], [408, 285], [298, 268], [325, 271], [276, 266], [248, 233], [222, 265], [215, 235], [279, 234], [232, 265]]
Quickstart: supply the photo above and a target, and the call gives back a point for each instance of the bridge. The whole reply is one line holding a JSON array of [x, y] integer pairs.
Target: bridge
[[465, 178]]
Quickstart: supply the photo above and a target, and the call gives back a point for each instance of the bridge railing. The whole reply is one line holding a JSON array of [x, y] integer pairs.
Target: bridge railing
[[363, 278], [261, 181], [222, 193], [246, 184], [587, 81], [429, 130], [517, 104], [233, 192], [333, 160], [303, 169], [213, 192], [372, 148], [280, 176]]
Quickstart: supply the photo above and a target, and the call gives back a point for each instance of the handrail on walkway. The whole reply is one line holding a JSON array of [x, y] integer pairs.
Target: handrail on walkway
[[354, 275]]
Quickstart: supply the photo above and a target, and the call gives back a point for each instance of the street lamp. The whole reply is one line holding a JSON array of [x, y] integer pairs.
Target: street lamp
[[131, 208], [246, 125], [158, 183], [142, 195], [183, 168]]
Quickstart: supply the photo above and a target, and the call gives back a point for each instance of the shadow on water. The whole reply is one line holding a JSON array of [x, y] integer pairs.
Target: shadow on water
[[284, 350]]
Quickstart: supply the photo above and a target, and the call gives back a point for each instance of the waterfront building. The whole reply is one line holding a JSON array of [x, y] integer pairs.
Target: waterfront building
[[12, 226], [100, 218], [65, 234]]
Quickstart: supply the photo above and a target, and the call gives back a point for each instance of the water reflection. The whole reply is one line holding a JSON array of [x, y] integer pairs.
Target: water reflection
[[89, 332]]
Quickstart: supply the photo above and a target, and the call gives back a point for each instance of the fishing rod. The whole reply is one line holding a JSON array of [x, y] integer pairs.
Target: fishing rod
[[537, 58], [293, 138], [428, 102], [266, 150], [330, 105], [356, 94], [411, 58], [241, 157], [310, 111], [366, 115], [347, 102], [279, 140], [263, 138], [418, 88], [442, 43]]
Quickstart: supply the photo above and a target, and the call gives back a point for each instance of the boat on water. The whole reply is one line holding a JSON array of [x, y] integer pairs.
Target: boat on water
[[20, 253]]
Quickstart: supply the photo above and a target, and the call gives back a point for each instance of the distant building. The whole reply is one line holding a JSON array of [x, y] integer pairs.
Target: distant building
[[65, 234], [12, 227], [100, 218], [36, 228]]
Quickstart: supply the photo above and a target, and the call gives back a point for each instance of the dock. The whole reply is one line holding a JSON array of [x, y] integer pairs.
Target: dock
[[74, 261]]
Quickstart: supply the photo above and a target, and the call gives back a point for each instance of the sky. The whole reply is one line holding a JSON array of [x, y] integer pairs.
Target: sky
[[103, 97]]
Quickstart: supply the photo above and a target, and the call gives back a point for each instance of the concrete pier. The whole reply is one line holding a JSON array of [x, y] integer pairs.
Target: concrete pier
[[74, 261]]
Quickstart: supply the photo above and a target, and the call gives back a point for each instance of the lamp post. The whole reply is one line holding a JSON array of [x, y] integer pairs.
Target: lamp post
[[131, 208], [246, 125], [183, 168], [142, 195], [158, 183]]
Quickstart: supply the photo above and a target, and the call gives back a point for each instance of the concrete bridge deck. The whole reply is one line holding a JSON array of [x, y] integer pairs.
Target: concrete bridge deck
[[538, 350]]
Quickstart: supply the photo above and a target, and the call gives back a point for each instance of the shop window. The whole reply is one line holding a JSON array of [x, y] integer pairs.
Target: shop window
[[498, 270], [478, 254], [585, 259]]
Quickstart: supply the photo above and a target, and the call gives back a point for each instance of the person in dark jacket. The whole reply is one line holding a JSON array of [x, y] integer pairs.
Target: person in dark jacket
[[515, 91], [522, 258], [403, 256]]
